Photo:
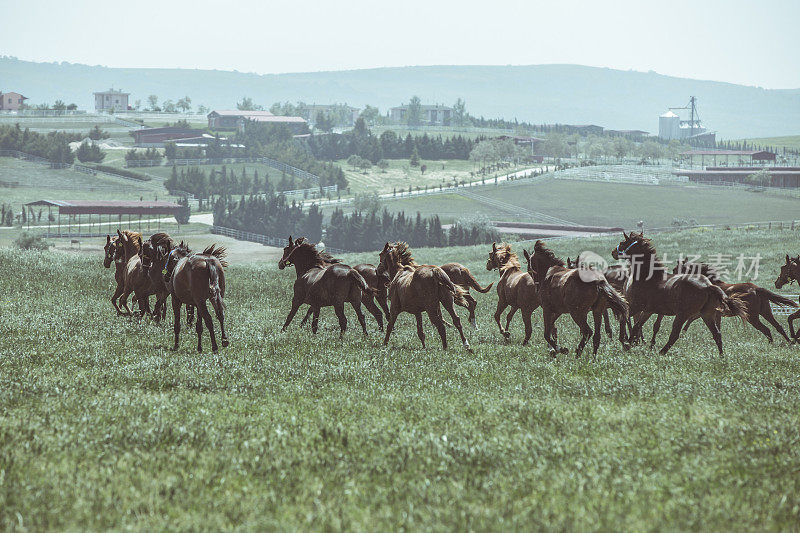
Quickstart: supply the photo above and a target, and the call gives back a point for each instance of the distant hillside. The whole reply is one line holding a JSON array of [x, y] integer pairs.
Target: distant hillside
[[538, 93]]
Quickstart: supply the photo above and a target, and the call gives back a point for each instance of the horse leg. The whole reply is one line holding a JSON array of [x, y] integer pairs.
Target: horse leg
[[190, 315], [390, 325], [373, 309], [117, 293], [360, 315], [676, 331], [767, 314], [607, 324], [220, 312], [209, 325], [308, 315], [526, 319], [339, 309], [656, 327], [794, 316], [123, 300], [296, 303], [176, 312], [315, 321], [636, 333], [586, 332], [501, 306], [198, 327], [509, 317], [382, 298], [756, 323], [549, 326], [436, 319], [711, 324], [472, 304], [598, 319], [448, 305], [420, 332]]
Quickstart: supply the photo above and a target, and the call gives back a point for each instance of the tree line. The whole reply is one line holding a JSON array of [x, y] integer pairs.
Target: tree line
[[224, 182], [53, 146], [268, 215]]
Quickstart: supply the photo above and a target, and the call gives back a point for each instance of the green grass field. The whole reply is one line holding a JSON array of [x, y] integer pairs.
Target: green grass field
[[103, 427], [45, 125], [22, 181], [608, 204], [789, 141], [401, 175]]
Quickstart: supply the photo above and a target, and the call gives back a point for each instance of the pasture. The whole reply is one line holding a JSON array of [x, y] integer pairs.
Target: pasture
[[605, 204], [102, 426], [400, 175], [788, 141]]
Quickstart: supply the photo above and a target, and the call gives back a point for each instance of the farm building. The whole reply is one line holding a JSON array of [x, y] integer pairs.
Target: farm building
[[584, 129], [784, 177], [634, 135], [11, 101], [731, 157], [235, 119], [85, 217], [431, 114], [533, 144], [111, 100], [156, 137]]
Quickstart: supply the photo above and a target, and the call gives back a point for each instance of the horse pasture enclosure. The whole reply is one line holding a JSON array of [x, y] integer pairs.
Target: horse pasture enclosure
[[104, 427]]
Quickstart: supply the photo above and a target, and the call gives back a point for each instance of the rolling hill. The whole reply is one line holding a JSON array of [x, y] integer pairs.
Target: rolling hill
[[538, 93]]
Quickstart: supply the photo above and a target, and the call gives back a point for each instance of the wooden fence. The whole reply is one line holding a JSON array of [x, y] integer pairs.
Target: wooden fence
[[278, 242]]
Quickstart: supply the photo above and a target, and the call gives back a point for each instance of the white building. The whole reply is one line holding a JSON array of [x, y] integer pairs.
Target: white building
[[111, 100]]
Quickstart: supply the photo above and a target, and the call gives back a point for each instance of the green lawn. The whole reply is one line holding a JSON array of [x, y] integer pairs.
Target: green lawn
[[401, 175], [103, 427], [22, 182], [788, 141], [609, 204]]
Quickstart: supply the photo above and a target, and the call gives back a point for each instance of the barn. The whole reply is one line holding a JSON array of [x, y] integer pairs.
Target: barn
[[232, 120]]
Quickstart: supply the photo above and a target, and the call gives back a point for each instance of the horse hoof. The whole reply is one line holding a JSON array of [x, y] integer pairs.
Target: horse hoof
[[563, 351], [553, 353], [225, 343]]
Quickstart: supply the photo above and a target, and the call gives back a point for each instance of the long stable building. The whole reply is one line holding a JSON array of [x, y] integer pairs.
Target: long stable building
[[85, 217]]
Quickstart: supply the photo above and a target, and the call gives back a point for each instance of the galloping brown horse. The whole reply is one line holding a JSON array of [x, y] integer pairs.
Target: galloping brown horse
[[321, 284], [136, 281], [574, 291], [458, 274], [193, 278], [616, 275], [368, 272], [418, 289], [756, 299], [154, 257], [113, 253], [516, 289], [651, 290], [790, 272]]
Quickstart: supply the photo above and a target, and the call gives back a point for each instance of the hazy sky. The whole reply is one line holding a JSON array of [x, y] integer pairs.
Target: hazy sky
[[754, 43]]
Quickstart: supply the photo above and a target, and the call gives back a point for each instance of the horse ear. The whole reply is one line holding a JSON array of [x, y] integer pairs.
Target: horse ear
[[625, 235], [494, 246], [108, 238], [119, 233], [290, 240], [526, 254], [386, 247], [787, 259]]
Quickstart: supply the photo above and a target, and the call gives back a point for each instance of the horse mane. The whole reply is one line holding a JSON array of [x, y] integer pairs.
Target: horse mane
[[316, 257], [540, 248], [403, 253], [328, 258], [703, 269], [508, 260], [162, 239], [650, 250], [135, 237], [220, 252]]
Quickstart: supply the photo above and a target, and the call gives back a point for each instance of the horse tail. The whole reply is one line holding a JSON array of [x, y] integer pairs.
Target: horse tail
[[775, 298], [444, 281], [472, 282], [213, 284], [730, 305], [361, 282], [615, 300]]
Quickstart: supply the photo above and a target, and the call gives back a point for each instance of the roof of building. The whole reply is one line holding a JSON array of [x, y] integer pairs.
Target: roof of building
[[13, 92], [668, 114], [167, 129], [727, 152], [113, 91], [425, 107], [278, 119], [627, 132], [109, 207], [240, 113]]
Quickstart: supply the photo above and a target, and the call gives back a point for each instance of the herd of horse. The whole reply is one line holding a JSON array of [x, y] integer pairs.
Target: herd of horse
[[633, 291]]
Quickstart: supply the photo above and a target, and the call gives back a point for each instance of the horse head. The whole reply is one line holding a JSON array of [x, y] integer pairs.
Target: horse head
[[287, 251], [790, 272], [110, 250], [628, 246], [387, 264]]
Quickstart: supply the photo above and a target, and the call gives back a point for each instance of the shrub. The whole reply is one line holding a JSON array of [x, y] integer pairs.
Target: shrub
[[89, 153], [31, 241]]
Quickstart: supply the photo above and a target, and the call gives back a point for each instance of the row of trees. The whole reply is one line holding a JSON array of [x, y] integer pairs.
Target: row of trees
[[168, 106], [360, 141], [225, 183], [268, 215], [53, 146]]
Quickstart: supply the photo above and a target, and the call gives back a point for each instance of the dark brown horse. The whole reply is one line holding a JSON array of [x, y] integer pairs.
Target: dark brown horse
[[458, 274], [154, 257], [368, 272], [790, 272], [651, 290], [136, 281], [574, 291], [320, 284], [113, 253], [420, 289], [756, 299], [516, 289], [616, 275], [193, 278]]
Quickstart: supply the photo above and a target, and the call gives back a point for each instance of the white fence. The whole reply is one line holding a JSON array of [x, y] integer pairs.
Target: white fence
[[279, 242]]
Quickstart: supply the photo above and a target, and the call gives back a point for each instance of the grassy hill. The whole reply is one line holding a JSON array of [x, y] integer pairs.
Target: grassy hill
[[103, 427], [787, 141], [539, 93]]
